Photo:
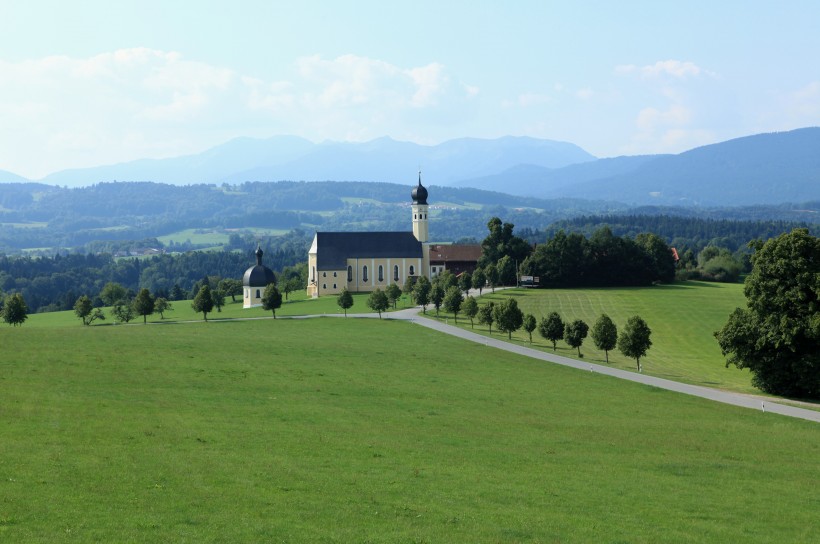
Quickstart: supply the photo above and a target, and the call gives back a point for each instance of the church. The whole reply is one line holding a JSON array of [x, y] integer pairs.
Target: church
[[366, 261]]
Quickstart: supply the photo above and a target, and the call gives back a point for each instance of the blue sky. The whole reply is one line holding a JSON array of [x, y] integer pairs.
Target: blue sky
[[97, 82]]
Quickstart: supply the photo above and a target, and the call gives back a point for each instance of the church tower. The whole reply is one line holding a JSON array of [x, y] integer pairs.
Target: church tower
[[420, 228]]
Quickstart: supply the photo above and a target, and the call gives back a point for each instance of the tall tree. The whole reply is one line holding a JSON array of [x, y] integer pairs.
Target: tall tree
[[453, 299], [421, 292], [203, 302], [605, 335], [551, 328], [530, 324], [491, 273], [378, 302], [465, 282], [470, 309], [634, 340], [437, 296], [486, 316], [218, 296], [144, 304], [777, 336], [574, 334], [271, 299], [506, 271], [345, 300], [15, 311], [508, 316], [479, 280], [84, 309], [393, 292]]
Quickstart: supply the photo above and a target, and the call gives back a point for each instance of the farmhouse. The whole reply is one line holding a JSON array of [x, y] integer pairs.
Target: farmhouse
[[365, 261]]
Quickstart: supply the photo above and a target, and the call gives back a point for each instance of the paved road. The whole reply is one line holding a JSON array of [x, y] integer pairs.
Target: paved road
[[761, 404]]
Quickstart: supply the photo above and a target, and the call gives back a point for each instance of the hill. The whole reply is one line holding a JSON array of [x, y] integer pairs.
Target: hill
[[761, 169], [296, 159]]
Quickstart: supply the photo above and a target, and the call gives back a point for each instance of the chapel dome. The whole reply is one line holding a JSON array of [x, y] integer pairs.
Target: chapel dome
[[419, 193], [259, 275]]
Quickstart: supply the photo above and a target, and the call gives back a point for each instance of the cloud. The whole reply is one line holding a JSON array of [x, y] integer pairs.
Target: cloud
[[60, 112], [672, 68]]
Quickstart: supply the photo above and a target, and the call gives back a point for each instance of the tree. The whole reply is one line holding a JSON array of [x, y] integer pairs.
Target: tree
[[144, 304], [15, 311], [84, 309], [486, 316], [530, 324], [177, 292], [203, 302], [453, 299], [479, 280], [508, 317], [271, 299], [634, 340], [470, 308], [574, 334], [292, 285], [777, 335], [491, 273], [230, 287], [393, 292], [219, 299], [113, 292], [551, 328], [465, 282], [161, 305], [345, 300], [437, 296], [421, 293], [378, 302], [506, 270], [605, 335], [122, 311]]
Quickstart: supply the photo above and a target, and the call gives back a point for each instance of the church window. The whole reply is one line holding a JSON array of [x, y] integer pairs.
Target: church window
[[324, 286], [334, 286], [412, 270], [395, 272], [415, 216], [364, 273], [381, 273], [349, 273], [324, 274], [334, 274], [257, 294], [313, 274]]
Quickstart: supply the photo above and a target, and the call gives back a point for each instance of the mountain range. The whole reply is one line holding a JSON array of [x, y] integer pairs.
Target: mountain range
[[760, 169]]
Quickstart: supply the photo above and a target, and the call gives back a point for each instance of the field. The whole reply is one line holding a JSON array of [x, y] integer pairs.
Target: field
[[351, 430], [682, 317]]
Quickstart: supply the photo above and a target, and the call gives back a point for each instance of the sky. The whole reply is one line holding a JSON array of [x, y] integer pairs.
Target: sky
[[91, 82]]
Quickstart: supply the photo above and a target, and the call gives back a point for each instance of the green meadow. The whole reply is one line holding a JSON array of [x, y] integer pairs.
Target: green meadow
[[360, 430], [682, 317]]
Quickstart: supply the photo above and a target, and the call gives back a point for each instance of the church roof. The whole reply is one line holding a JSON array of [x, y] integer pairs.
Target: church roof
[[419, 193], [259, 275], [333, 249]]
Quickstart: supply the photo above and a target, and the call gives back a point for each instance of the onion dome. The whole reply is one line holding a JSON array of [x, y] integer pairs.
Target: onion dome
[[259, 275], [419, 194]]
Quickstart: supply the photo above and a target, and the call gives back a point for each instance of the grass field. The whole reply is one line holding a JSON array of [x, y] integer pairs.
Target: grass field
[[682, 317], [351, 430], [196, 236]]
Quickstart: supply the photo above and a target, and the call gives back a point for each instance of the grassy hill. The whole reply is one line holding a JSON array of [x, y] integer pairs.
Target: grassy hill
[[352, 430]]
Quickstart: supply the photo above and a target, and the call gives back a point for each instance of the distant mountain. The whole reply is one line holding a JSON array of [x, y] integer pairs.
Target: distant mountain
[[532, 180], [761, 169], [211, 166], [9, 177], [296, 159]]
